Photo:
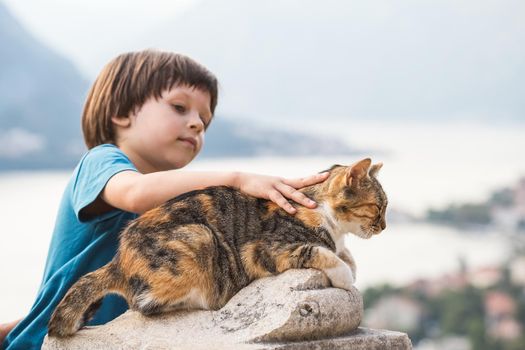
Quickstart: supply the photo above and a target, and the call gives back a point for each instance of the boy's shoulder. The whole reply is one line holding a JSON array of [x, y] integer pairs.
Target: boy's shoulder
[[103, 148], [102, 162], [103, 152], [92, 173]]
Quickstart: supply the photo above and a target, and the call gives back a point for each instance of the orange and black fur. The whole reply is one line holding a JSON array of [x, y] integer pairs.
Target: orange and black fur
[[200, 248]]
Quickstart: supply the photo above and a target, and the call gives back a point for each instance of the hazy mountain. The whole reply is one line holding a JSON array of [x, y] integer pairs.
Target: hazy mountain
[[380, 59], [227, 137], [42, 96]]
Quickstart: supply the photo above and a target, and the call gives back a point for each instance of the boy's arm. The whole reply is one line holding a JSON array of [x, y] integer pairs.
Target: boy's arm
[[135, 192]]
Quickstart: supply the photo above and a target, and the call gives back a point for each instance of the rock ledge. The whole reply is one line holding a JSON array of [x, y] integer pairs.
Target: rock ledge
[[294, 310]]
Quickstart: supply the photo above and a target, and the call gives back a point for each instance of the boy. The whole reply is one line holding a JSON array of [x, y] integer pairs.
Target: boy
[[144, 118]]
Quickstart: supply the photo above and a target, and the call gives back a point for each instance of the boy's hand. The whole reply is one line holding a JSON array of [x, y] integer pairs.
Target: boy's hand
[[278, 189]]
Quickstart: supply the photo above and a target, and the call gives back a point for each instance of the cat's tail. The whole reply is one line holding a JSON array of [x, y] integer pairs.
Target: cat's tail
[[83, 299]]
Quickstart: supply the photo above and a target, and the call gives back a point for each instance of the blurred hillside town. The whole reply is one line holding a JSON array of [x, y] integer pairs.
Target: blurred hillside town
[[481, 308], [471, 308]]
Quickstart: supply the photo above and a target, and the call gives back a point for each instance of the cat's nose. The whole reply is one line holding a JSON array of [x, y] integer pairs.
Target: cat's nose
[[383, 225]]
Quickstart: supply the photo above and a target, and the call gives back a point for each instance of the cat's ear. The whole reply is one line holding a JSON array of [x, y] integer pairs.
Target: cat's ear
[[374, 169], [358, 171]]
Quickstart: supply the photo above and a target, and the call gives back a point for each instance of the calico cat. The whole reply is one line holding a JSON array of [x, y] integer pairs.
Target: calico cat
[[199, 249]]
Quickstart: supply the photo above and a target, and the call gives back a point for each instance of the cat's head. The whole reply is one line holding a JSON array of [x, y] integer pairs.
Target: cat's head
[[355, 199]]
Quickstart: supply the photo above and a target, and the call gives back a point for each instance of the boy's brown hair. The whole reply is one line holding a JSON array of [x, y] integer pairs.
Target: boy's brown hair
[[126, 82]]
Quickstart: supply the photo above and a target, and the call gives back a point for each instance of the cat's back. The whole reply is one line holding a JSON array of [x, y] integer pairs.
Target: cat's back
[[204, 206]]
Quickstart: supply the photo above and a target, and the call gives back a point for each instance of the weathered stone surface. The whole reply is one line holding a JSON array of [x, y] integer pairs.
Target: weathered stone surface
[[295, 310], [359, 339]]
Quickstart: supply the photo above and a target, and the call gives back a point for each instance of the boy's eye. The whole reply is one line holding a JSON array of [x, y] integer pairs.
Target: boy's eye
[[182, 109], [179, 108], [205, 122]]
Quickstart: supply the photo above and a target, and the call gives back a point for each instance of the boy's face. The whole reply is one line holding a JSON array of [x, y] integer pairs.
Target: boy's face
[[167, 133]]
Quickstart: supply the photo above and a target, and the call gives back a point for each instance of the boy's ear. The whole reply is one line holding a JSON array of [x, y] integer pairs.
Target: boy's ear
[[123, 122]]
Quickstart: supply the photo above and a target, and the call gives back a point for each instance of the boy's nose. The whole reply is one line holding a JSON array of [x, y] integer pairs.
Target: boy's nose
[[196, 122]]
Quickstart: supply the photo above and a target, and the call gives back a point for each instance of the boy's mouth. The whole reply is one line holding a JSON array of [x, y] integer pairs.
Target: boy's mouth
[[190, 141]]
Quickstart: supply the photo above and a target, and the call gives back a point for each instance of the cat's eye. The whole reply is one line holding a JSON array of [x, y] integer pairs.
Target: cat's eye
[[343, 208]]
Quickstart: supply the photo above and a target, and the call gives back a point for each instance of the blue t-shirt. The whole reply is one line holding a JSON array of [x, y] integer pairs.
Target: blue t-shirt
[[78, 245]]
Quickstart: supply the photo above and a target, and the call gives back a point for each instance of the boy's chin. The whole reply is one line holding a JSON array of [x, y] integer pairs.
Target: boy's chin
[[181, 163]]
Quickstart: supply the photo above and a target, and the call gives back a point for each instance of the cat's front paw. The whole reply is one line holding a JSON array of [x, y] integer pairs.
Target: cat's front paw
[[341, 276]]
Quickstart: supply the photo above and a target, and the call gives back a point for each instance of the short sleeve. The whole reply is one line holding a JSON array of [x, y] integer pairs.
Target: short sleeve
[[94, 171]]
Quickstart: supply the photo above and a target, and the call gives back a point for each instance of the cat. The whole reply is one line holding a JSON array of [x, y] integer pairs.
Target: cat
[[199, 249]]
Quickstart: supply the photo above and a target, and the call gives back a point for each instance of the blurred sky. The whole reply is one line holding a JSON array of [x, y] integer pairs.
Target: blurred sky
[[294, 59], [81, 29]]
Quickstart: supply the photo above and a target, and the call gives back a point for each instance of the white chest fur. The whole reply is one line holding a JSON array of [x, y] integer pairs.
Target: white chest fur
[[336, 228]]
